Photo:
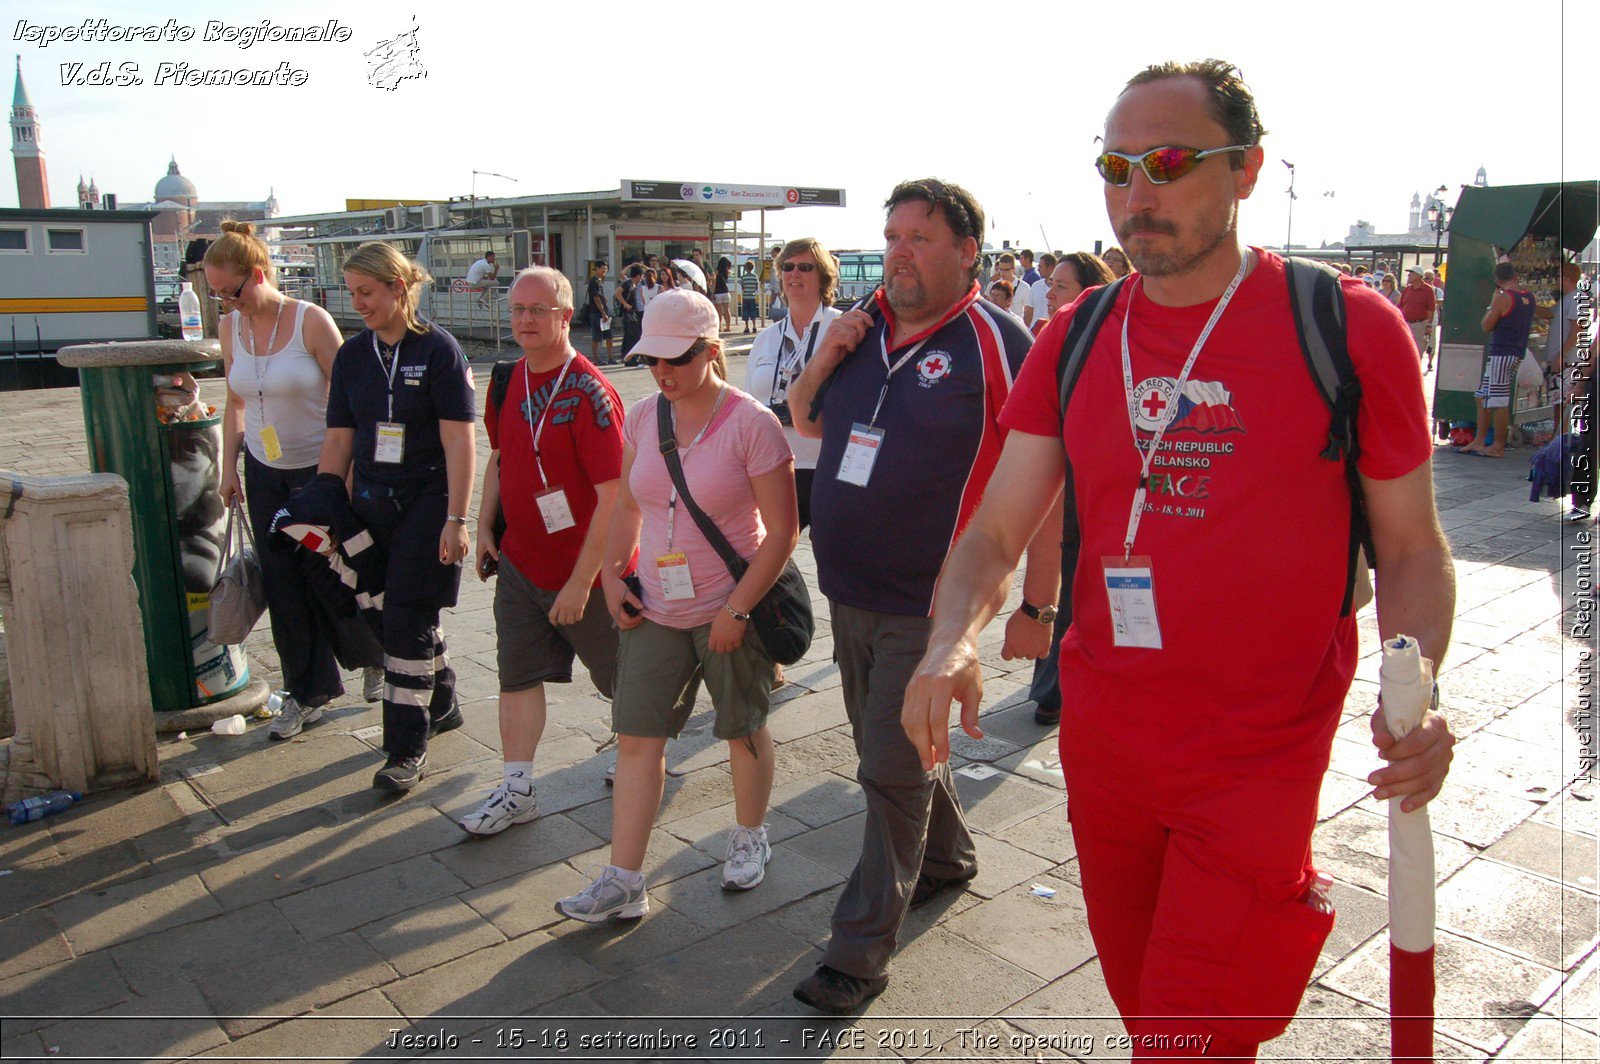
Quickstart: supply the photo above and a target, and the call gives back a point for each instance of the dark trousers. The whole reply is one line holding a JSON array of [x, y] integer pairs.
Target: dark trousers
[[1045, 690], [914, 822], [311, 641], [419, 684], [631, 328]]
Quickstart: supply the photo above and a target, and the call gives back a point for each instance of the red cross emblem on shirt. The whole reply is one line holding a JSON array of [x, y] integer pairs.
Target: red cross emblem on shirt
[[1153, 404], [935, 366]]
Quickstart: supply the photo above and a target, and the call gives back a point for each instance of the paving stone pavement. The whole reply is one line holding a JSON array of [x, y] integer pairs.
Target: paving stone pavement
[[265, 903]]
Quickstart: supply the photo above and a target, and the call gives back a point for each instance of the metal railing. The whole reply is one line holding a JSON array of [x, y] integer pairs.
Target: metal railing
[[462, 314]]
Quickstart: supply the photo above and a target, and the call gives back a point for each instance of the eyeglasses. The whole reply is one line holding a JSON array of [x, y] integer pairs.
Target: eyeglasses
[[651, 361], [1161, 165], [538, 310], [234, 295], [803, 267]]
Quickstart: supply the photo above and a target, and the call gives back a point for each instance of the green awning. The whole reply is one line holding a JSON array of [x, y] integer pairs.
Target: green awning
[[1503, 215]]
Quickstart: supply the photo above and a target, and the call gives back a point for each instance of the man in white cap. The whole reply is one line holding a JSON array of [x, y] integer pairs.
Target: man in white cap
[[1417, 301]]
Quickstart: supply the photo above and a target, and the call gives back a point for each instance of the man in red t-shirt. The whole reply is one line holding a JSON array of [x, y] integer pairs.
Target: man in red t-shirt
[[1207, 663], [553, 473], [1417, 300]]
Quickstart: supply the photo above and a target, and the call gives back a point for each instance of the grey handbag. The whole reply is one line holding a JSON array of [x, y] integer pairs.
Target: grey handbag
[[239, 595]]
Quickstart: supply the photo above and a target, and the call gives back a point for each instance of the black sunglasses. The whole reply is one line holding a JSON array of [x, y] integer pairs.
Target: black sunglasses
[[651, 361], [234, 295], [803, 267]]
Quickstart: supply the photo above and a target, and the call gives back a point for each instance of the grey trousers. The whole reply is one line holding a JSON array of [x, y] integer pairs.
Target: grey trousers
[[914, 822]]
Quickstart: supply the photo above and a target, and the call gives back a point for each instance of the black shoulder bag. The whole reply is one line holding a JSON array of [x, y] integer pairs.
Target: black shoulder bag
[[782, 619]]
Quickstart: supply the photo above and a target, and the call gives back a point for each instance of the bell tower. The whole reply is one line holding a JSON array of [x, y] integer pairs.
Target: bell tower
[[33, 188]]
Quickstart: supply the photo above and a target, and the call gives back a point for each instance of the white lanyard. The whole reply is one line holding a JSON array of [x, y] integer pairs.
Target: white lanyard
[[883, 343], [791, 365], [249, 332], [1137, 511], [538, 429], [393, 366], [672, 496]]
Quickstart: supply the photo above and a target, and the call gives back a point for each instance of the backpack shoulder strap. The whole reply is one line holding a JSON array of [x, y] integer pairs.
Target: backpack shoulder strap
[[1080, 338], [500, 382], [1317, 300]]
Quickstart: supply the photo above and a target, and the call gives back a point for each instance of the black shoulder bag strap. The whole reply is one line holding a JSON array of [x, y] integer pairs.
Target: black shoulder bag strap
[[708, 528], [1080, 337], [1319, 320], [870, 305]]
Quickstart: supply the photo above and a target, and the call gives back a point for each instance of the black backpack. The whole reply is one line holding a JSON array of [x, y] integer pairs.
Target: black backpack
[[499, 384], [1319, 319]]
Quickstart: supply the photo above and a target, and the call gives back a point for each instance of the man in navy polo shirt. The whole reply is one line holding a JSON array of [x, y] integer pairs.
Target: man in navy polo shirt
[[909, 423]]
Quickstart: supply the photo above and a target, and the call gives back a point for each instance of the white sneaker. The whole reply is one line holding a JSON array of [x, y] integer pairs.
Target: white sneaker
[[748, 854], [611, 775], [513, 802], [294, 717], [607, 897], [372, 683]]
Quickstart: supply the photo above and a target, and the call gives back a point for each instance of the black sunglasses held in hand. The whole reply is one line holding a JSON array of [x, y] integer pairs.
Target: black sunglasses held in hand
[[1160, 165]]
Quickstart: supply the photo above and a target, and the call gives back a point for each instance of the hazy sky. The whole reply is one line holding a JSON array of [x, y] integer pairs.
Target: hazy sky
[[1371, 101]]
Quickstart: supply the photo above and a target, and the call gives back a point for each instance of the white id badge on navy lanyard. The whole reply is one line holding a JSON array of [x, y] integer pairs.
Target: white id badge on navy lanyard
[[391, 443], [865, 442], [553, 504], [1131, 594]]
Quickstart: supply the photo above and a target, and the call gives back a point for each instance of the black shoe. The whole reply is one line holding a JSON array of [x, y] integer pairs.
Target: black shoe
[[930, 886], [1049, 718], [400, 773], [830, 990], [449, 722]]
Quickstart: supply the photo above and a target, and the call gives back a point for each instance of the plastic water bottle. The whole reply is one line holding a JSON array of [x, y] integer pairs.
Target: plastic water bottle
[[31, 809], [189, 310]]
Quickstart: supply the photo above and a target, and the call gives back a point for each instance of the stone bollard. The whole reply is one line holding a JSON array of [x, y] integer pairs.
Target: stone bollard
[[79, 688]]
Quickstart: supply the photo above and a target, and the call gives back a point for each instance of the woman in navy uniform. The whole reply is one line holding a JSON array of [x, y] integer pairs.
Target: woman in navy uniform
[[401, 407]]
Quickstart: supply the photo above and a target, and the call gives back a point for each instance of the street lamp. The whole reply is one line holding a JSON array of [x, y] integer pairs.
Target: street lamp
[[1289, 232], [1439, 221]]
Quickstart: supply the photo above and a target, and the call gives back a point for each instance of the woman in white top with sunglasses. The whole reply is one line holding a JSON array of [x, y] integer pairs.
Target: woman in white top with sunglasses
[[277, 355], [809, 280]]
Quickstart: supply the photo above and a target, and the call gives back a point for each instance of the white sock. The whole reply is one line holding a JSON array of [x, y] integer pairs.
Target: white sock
[[514, 769], [629, 876]]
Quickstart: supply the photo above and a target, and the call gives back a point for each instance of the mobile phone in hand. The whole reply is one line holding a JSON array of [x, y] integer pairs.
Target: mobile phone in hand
[[635, 588], [488, 566]]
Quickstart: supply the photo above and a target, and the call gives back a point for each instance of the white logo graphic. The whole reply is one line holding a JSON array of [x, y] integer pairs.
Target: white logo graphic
[[1154, 403], [933, 366]]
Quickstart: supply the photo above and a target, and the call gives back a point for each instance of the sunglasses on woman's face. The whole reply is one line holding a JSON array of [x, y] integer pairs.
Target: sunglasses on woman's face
[[682, 360], [803, 267]]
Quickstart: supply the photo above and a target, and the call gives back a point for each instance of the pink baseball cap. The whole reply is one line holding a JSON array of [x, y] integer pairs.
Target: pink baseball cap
[[673, 322]]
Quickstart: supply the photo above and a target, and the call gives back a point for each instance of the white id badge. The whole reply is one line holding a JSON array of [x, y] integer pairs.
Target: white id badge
[[859, 454], [555, 509], [391, 442], [673, 569], [1130, 589]]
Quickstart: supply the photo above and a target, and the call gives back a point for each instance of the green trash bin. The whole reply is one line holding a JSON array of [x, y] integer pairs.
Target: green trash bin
[[178, 516]]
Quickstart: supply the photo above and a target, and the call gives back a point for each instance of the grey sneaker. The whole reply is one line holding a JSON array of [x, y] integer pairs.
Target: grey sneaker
[[288, 724], [606, 898], [372, 683], [748, 854], [513, 802]]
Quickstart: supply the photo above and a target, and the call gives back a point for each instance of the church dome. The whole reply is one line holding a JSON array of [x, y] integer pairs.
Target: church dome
[[175, 186]]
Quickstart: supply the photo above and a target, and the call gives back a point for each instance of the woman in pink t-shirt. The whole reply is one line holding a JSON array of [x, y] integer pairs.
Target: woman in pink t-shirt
[[686, 620]]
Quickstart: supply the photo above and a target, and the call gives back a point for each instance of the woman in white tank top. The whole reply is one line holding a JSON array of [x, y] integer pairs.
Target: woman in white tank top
[[277, 354]]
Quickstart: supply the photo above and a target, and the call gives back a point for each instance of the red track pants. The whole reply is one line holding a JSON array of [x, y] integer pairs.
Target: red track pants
[[1196, 883]]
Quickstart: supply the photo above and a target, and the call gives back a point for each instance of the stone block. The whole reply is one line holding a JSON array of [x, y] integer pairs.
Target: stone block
[[1486, 998], [526, 902], [168, 1026], [287, 984], [429, 935], [30, 941], [1520, 913], [1046, 936], [1548, 851], [514, 978], [72, 988], [666, 858], [68, 598], [996, 803], [358, 1026], [1354, 847], [701, 898], [1360, 915], [1546, 1038], [206, 949], [600, 946], [104, 918], [709, 831], [1049, 835], [819, 799], [348, 903], [519, 848]]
